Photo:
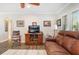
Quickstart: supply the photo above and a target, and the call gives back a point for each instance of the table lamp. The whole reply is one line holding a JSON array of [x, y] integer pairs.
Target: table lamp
[[55, 28]]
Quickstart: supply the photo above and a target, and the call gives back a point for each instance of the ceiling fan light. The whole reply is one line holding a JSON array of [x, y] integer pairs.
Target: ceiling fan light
[[28, 6]]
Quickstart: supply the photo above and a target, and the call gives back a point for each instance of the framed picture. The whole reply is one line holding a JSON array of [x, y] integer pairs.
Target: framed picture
[[47, 23], [6, 26], [20, 23], [59, 22]]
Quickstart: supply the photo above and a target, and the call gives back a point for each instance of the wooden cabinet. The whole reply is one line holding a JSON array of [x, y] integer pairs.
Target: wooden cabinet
[[27, 38], [39, 38]]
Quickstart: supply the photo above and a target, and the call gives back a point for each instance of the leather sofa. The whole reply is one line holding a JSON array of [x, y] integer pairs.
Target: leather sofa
[[65, 43]]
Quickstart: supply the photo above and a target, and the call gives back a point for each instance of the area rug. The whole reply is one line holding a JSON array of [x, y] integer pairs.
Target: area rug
[[23, 46], [25, 52]]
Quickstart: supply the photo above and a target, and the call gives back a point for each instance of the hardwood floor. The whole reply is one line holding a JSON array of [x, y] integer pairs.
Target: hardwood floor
[[25, 52], [3, 47]]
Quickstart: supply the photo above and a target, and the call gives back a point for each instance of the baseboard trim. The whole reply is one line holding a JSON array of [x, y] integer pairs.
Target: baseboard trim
[[3, 40]]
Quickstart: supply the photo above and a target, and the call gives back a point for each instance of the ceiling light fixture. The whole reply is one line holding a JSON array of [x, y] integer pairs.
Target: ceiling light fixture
[[22, 5], [28, 6]]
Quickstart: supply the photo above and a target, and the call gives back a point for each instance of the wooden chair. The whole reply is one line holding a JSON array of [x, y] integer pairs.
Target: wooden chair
[[16, 38]]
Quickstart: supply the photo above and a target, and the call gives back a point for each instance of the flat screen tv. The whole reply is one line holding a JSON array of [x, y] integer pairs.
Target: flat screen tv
[[34, 29]]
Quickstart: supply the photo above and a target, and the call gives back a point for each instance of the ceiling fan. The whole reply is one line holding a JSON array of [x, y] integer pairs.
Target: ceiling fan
[[22, 5]]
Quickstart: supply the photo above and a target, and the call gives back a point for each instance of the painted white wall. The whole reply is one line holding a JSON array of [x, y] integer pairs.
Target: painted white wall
[[13, 11], [28, 19], [68, 11], [3, 34], [39, 18]]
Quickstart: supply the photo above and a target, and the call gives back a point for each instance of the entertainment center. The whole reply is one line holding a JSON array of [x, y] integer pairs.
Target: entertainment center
[[36, 39], [34, 36]]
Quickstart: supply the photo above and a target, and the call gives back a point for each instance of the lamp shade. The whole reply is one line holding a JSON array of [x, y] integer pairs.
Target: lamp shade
[[55, 27]]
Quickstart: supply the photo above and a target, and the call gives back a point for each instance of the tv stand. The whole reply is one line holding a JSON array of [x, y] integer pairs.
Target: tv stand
[[37, 38]]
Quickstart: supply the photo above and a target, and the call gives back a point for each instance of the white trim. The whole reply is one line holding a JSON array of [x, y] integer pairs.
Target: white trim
[[3, 40]]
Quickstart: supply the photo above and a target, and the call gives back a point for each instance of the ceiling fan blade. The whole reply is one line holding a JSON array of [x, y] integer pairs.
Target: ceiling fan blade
[[37, 4], [22, 5]]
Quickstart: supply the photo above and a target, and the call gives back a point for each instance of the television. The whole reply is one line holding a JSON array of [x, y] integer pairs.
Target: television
[[34, 29]]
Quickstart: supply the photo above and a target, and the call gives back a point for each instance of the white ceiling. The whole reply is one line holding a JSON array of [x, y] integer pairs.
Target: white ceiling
[[44, 8]]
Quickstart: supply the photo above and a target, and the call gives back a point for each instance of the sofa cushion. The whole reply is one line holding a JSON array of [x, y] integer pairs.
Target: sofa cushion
[[68, 42], [52, 47], [75, 48], [50, 43], [59, 39], [74, 34]]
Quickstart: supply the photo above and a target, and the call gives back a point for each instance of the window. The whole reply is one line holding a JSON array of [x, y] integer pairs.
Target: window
[[75, 21]]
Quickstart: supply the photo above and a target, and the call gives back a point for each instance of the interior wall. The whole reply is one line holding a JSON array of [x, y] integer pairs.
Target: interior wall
[[3, 34], [68, 11], [39, 18], [28, 19]]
